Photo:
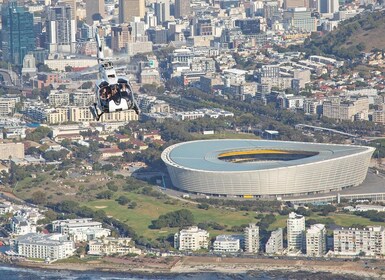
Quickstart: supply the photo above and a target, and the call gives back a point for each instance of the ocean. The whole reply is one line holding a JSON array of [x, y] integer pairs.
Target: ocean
[[18, 273]]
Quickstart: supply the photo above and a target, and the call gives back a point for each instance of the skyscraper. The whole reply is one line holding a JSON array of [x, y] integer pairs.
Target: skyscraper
[[162, 11], [295, 232], [128, 9], [17, 32], [182, 8], [61, 29], [94, 10], [328, 6], [72, 3], [316, 240], [251, 238]]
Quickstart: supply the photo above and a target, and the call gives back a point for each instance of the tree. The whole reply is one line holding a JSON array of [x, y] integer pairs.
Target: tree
[[38, 197], [204, 206], [112, 187], [105, 195], [123, 200], [68, 68], [179, 218]]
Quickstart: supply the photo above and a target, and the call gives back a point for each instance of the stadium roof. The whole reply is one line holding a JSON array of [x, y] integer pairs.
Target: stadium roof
[[203, 154]]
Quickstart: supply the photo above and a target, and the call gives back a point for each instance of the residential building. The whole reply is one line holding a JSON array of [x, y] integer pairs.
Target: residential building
[[275, 243], [7, 106], [191, 239], [94, 11], [17, 32], [11, 151], [129, 9], [369, 241], [295, 232], [353, 108], [316, 240], [65, 226], [59, 98], [110, 245], [21, 226], [44, 246], [227, 244], [251, 234]]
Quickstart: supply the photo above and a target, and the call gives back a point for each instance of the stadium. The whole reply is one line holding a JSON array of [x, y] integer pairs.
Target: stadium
[[262, 168]]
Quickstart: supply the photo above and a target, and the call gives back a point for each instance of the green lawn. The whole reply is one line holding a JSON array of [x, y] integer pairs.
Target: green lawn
[[150, 208]]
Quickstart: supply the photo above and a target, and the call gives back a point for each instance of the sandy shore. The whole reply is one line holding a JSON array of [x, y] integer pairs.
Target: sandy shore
[[214, 264]]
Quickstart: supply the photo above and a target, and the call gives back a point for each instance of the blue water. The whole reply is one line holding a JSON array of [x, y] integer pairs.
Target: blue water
[[33, 125], [16, 273]]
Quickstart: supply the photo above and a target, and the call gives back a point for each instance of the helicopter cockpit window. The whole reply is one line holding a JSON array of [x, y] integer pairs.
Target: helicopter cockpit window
[[111, 76]]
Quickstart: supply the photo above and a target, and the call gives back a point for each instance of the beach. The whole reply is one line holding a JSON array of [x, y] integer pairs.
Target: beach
[[360, 269]]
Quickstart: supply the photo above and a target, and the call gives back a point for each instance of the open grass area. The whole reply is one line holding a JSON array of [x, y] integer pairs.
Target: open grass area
[[150, 208]]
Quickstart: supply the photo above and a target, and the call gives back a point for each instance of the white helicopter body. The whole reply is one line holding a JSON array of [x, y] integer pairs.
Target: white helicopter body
[[113, 93]]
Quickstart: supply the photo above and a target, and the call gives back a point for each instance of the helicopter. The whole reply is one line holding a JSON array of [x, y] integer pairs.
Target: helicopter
[[112, 93]]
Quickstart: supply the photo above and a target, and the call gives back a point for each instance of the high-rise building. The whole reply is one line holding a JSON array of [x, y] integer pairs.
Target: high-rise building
[[287, 4], [191, 239], [328, 6], [94, 10], [295, 232], [162, 11], [182, 8], [316, 240], [128, 9], [61, 29], [71, 3], [275, 243], [251, 238], [299, 19], [352, 242], [17, 33], [120, 36], [354, 108]]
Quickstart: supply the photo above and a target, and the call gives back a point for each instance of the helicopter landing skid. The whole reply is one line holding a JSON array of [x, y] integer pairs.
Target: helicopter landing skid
[[94, 111]]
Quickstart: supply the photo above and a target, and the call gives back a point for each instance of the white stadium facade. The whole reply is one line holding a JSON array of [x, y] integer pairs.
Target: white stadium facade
[[262, 168]]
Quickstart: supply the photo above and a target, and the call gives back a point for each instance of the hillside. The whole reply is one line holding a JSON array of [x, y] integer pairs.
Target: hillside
[[364, 32]]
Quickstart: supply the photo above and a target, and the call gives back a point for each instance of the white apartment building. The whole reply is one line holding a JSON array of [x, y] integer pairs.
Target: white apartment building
[[21, 226], [80, 230], [275, 243], [110, 245], [352, 241], [316, 240], [227, 244], [251, 234], [191, 239], [59, 98], [7, 106], [354, 108], [295, 232], [44, 246]]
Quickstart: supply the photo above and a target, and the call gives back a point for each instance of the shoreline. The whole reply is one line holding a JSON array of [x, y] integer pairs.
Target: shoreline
[[196, 265]]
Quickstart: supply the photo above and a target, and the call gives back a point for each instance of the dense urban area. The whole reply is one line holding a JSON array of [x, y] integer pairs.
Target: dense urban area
[[75, 190]]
